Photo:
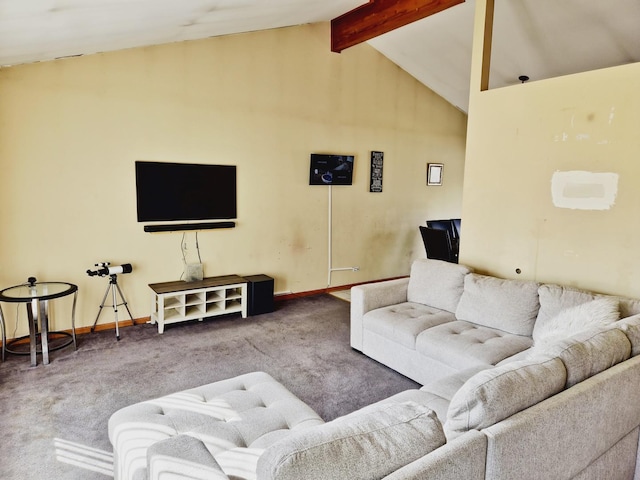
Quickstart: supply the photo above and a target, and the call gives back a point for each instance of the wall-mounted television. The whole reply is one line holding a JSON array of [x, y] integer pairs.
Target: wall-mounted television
[[185, 191], [331, 169]]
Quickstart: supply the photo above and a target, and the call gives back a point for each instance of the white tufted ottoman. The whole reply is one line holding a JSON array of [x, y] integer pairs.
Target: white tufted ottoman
[[236, 419]]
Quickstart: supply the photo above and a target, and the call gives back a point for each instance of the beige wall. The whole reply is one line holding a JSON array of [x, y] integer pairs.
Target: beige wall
[[518, 137], [70, 131]]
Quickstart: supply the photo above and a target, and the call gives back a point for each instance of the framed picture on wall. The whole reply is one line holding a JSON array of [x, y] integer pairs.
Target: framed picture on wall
[[375, 183], [434, 173]]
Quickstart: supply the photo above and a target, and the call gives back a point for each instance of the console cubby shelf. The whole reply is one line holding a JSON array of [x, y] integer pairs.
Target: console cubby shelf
[[174, 302]]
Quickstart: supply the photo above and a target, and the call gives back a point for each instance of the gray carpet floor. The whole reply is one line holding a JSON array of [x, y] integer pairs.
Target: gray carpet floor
[[53, 418]]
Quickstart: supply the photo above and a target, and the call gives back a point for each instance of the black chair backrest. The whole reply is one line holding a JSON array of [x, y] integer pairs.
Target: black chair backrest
[[457, 223], [444, 225], [437, 244]]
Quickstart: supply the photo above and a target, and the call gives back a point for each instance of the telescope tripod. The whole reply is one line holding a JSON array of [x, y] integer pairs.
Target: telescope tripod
[[114, 288]]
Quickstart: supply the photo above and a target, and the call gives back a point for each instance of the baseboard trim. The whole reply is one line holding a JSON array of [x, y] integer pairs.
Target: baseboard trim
[[112, 325]]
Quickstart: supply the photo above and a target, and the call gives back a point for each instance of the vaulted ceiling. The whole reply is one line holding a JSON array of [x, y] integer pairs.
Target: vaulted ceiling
[[536, 38]]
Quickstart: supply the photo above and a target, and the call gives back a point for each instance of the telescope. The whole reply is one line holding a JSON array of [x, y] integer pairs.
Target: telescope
[[104, 269]]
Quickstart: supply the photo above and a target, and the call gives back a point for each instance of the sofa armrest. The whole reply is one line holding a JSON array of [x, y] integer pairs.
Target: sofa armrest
[[370, 296], [182, 457]]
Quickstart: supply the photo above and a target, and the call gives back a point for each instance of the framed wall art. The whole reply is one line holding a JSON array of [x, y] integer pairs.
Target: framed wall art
[[375, 184], [434, 173]]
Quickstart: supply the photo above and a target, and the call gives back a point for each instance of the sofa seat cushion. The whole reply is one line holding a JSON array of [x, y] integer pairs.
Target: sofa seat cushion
[[184, 457], [435, 402], [403, 322], [523, 355], [462, 345], [238, 415], [509, 305], [369, 443], [492, 395], [588, 353], [448, 386], [436, 283]]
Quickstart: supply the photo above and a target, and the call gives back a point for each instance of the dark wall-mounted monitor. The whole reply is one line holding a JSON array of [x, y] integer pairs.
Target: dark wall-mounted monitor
[[331, 169], [185, 191]]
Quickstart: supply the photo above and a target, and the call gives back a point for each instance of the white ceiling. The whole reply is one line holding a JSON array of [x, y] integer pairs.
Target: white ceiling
[[36, 30], [537, 38]]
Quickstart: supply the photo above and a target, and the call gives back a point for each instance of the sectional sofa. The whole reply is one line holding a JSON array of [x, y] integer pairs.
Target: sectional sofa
[[520, 380]]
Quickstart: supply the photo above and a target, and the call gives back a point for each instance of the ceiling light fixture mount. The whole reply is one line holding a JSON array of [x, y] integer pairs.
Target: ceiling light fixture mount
[[523, 78]]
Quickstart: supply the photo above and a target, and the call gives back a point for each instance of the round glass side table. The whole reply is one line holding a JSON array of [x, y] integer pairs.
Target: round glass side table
[[36, 296]]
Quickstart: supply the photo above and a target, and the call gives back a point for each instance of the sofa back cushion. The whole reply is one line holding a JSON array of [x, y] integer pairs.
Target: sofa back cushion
[[369, 443], [628, 306], [555, 298], [492, 395], [631, 327], [436, 283], [508, 305], [588, 353]]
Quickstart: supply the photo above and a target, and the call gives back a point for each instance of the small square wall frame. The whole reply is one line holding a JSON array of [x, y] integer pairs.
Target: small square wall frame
[[434, 173]]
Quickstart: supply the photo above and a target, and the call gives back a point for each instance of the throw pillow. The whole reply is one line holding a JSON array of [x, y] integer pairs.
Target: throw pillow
[[370, 443], [596, 313]]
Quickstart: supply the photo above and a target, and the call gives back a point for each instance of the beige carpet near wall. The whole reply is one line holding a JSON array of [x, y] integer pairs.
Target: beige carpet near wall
[[53, 418]]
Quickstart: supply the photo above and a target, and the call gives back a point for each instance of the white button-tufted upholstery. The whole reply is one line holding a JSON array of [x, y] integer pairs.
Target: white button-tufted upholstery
[[404, 321], [236, 419], [464, 345]]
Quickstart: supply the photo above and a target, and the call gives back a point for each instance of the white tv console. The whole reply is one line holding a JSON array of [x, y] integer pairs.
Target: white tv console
[[179, 301]]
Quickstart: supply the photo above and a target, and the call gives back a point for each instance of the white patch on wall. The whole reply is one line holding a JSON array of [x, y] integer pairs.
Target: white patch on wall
[[581, 190]]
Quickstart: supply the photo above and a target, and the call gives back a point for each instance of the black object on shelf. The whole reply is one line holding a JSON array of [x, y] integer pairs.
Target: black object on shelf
[[260, 294], [174, 227]]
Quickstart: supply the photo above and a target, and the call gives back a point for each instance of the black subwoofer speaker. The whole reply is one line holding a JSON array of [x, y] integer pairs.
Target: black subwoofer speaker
[[260, 294]]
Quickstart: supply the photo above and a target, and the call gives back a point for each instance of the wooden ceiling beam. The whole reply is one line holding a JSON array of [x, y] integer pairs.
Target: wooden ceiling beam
[[381, 16]]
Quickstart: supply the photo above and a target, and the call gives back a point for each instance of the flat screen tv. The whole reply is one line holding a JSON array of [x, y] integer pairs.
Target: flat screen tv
[[185, 191], [331, 169]]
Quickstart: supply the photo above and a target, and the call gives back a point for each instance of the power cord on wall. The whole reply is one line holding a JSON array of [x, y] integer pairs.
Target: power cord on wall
[[183, 248], [198, 249], [184, 257]]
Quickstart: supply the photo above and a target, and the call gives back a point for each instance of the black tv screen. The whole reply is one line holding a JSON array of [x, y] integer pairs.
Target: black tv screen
[[185, 191], [331, 169]]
